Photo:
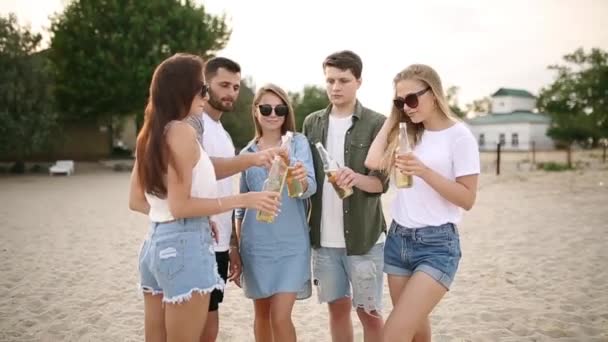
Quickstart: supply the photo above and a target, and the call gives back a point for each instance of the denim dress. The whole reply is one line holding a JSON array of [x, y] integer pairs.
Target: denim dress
[[276, 256]]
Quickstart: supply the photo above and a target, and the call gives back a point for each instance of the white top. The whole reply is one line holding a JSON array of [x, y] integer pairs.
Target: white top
[[452, 152], [332, 219], [217, 143], [203, 186]]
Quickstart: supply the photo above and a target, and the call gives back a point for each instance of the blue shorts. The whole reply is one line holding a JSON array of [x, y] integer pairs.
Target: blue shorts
[[432, 250], [335, 272], [177, 258]]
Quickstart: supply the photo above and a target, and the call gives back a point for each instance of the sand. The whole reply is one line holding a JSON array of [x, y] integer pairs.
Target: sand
[[534, 267]]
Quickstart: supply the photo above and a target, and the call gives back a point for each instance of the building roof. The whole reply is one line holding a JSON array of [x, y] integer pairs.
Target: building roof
[[507, 118], [513, 92]]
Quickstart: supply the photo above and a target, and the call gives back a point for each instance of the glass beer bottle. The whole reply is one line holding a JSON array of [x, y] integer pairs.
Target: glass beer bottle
[[274, 182], [294, 186], [402, 180], [331, 166]]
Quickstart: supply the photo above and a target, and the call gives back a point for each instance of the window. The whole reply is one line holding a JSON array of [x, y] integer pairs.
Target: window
[[514, 139], [482, 139], [501, 138]]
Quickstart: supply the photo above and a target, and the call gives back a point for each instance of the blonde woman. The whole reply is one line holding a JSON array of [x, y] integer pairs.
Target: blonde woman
[[422, 249], [276, 256]]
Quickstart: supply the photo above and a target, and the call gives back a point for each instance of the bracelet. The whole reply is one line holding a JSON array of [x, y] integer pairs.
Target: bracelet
[[219, 203]]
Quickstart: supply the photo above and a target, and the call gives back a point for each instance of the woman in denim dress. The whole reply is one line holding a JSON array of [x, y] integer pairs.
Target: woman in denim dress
[[276, 256]]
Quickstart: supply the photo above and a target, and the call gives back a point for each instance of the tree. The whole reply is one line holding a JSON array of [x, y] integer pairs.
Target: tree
[[104, 52], [26, 108], [577, 100], [452, 97], [311, 99], [483, 105]]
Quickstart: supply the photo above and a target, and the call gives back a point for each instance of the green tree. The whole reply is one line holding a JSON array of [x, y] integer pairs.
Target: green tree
[[578, 99], [311, 99], [104, 52], [26, 108], [452, 97], [483, 105]]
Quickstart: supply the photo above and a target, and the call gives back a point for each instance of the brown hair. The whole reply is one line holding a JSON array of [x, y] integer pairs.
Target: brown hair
[[290, 122], [175, 83], [345, 60]]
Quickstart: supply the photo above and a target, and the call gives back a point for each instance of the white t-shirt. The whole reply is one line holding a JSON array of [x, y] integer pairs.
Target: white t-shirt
[[332, 219], [452, 152], [217, 143]]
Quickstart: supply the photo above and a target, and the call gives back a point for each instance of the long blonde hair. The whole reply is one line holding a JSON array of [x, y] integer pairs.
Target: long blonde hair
[[290, 121], [428, 76]]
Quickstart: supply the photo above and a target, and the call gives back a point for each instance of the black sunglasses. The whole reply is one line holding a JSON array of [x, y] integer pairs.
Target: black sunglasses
[[204, 90], [279, 110], [411, 100]]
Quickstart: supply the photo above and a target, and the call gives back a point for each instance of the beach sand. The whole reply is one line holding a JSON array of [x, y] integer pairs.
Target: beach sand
[[534, 266]]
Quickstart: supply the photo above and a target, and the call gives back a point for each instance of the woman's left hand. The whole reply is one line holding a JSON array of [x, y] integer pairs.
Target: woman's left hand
[[299, 172], [409, 164]]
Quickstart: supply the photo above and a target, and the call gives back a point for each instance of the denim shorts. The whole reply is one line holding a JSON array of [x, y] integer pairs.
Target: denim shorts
[[434, 250], [177, 258], [334, 273]]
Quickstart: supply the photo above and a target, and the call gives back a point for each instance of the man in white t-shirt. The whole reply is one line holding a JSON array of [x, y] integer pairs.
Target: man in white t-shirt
[[223, 77], [347, 236]]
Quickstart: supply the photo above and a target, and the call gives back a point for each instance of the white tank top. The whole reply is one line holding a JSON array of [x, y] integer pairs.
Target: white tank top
[[204, 185]]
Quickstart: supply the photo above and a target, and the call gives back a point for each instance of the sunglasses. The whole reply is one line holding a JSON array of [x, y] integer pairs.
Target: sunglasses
[[279, 110], [411, 100], [204, 90]]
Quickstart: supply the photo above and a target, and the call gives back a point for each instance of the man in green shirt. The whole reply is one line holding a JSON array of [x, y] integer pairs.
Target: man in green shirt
[[347, 235]]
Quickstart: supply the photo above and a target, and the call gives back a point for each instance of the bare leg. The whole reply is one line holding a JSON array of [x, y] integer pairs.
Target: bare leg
[[340, 323], [211, 327], [372, 325], [396, 285], [185, 321], [154, 318], [261, 323], [415, 303], [281, 305]]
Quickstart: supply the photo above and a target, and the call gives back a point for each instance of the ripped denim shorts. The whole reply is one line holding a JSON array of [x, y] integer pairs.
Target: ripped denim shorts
[[335, 273], [177, 258]]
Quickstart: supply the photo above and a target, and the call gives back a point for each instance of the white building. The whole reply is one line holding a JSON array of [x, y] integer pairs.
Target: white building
[[512, 122]]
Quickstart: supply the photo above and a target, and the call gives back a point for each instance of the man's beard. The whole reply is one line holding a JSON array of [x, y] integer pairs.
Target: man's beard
[[216, 103]]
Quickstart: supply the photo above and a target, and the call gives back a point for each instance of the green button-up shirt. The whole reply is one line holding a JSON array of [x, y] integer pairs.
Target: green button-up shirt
[[363, 217]]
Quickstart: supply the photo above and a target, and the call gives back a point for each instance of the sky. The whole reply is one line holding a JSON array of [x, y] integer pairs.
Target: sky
[[477, 45]]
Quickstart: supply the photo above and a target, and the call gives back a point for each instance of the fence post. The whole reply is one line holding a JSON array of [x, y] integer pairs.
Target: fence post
[[498, 158]]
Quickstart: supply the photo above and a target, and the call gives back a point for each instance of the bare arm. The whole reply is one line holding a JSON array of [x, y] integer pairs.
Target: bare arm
[[184, 152], [137, 199], [226, 167], [461, 192], [237, 227], [370, 184], [376, 151]]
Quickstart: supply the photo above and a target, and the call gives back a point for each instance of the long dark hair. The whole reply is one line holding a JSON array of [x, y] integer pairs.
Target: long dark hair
[[175, 83]]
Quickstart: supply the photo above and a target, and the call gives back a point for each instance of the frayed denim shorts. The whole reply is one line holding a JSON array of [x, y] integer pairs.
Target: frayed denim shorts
[[177, 258], [434, 250], [335, 273]]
